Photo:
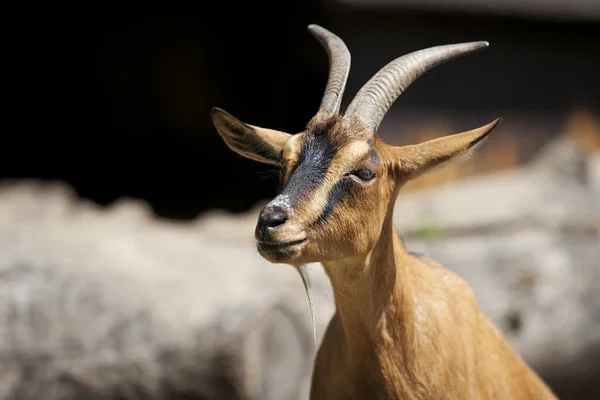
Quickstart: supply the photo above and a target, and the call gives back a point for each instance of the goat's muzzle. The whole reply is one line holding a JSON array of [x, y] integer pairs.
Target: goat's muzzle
[[276, 240]]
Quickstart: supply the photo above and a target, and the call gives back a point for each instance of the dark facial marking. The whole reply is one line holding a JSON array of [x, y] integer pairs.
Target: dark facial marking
[[309, 172], [335, 196]]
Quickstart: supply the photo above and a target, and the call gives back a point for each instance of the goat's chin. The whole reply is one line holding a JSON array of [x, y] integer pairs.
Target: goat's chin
[[282, 253]]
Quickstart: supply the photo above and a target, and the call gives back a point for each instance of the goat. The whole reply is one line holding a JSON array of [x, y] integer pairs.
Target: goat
[[404, 327]]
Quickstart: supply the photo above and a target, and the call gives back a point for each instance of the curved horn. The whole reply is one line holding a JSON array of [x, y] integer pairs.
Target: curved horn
[[339, 67], [375, 98]]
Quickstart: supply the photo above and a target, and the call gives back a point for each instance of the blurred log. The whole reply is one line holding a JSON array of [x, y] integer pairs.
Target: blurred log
[[110, 304], [557, 189]]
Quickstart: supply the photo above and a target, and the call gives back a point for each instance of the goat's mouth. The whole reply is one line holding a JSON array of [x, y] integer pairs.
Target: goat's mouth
[[279, 251], [280, 245]]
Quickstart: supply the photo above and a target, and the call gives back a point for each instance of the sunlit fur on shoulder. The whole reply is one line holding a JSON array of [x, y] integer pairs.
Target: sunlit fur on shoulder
[[405, 327]]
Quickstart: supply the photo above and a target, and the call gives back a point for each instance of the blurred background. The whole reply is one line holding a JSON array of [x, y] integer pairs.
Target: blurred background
[[127, 268]]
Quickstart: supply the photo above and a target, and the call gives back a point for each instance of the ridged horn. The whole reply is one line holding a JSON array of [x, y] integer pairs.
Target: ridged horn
[[339, 67], [375, 98]]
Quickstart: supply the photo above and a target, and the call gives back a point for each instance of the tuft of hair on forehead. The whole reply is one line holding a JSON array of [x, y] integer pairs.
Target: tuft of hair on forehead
[[339, 129], [323, 125]]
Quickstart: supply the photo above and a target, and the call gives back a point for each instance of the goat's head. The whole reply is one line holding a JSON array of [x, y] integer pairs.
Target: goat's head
[[338, 179]]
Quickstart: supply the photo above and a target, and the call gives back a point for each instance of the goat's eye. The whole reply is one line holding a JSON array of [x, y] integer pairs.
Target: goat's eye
[[364, 174]]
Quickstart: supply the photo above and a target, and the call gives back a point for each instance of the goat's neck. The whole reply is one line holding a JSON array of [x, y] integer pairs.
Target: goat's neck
[[371, 290]]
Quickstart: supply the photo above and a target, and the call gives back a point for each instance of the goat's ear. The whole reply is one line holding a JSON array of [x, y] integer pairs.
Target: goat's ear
[[415, 160], [259, 144]]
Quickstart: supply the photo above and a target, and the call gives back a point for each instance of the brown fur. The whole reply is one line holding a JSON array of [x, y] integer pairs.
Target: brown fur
[[405, 327]]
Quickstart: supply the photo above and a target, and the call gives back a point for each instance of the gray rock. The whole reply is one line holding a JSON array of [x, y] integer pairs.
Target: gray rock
[[112, 303]]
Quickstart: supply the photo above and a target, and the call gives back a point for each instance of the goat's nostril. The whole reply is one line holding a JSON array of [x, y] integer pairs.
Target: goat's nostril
[[274, 219]]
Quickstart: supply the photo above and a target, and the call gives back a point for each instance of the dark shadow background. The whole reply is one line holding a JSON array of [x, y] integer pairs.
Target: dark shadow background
[[151, 76]]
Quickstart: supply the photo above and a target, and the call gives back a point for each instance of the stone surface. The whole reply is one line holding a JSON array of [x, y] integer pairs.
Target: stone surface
[[111, 302]]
